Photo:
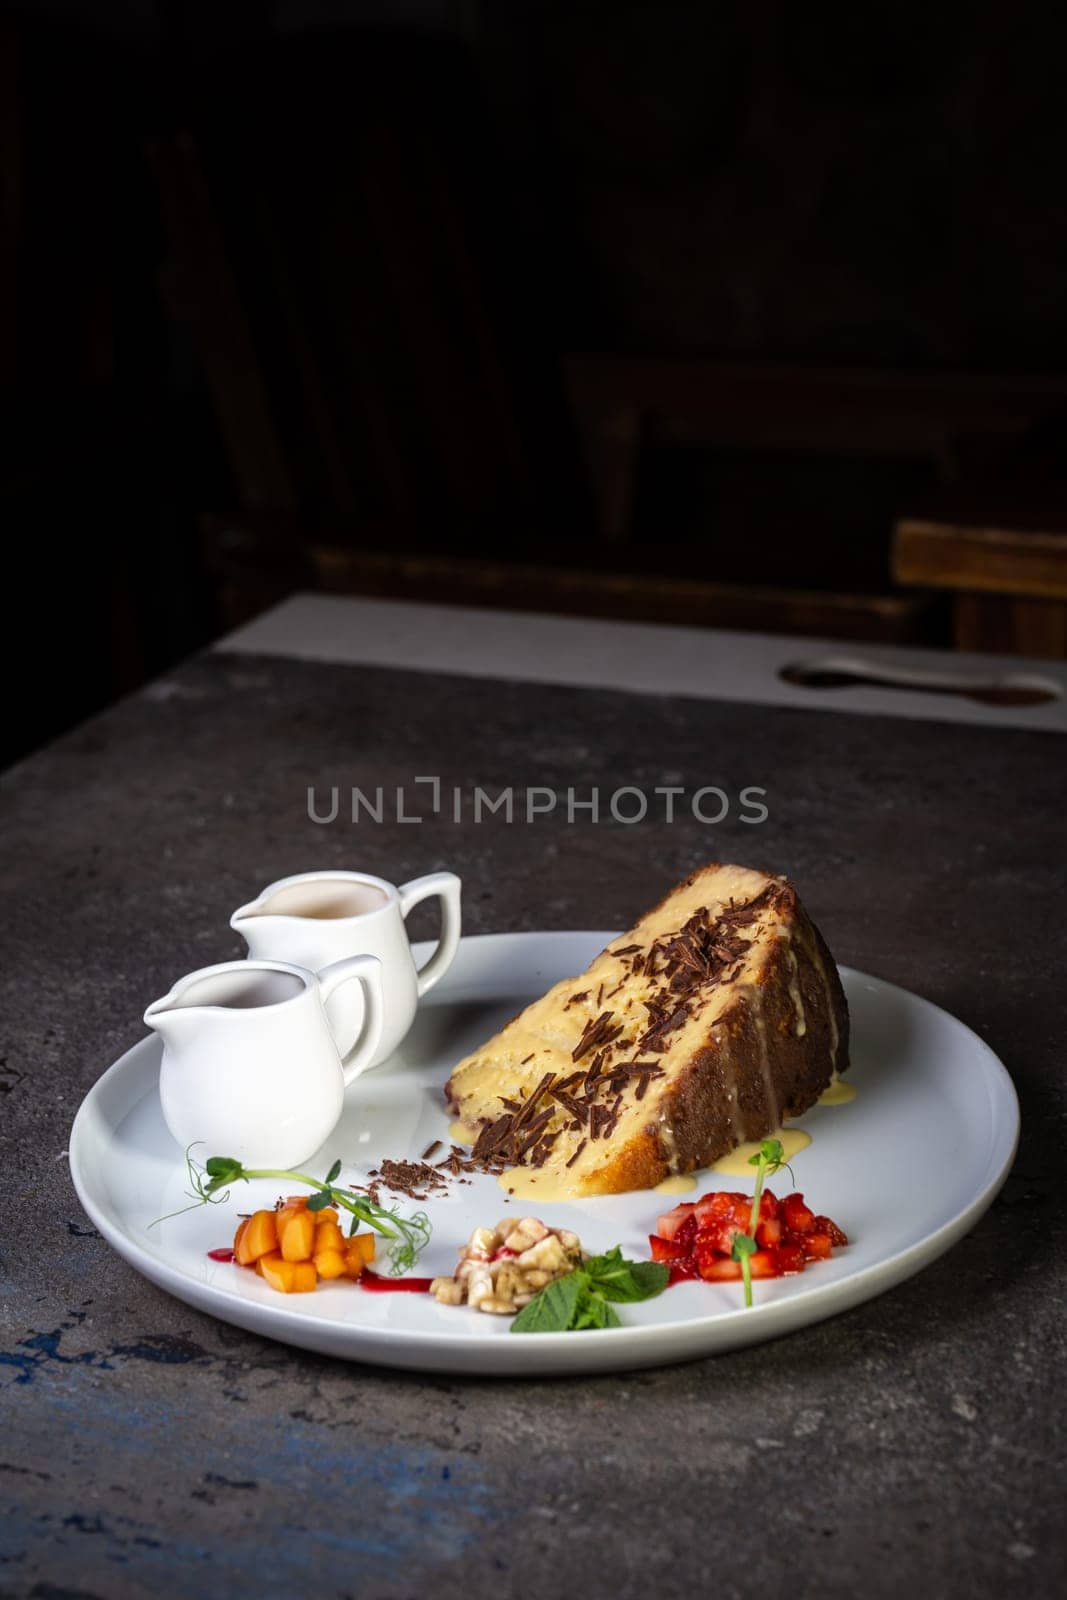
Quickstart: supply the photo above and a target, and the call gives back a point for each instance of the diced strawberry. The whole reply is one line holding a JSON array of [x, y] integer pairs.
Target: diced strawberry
[[716, 1268], [696, 1240], [797, 1217], [719, 1269], [688, 1231], [666, 1249], [717, 1204], [719, 1236], [707, 1249], [791, 1258], [668, 1225], [768, 1232]]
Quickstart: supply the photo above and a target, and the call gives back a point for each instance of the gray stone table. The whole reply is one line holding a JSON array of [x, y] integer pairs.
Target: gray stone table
[[913, 1446]]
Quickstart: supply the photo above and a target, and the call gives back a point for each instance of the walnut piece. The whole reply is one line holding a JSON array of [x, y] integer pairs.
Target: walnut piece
[[501, 1269]]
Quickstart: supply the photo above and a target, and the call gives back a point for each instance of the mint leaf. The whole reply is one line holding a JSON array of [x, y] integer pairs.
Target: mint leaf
[[334, 1173], [651, 1277], [553, 1308], [582, 1299], [617, 1279], [319, 1201], [593, 1311]]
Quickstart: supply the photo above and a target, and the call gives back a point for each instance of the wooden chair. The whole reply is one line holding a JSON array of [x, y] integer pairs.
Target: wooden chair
[[950, 422], [1001, 554]]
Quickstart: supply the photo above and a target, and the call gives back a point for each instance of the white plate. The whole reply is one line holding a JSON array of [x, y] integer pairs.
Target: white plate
[[905, 1168]]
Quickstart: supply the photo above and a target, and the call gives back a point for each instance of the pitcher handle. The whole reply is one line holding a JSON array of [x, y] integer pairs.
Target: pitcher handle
[[367, 973], [447, 886]]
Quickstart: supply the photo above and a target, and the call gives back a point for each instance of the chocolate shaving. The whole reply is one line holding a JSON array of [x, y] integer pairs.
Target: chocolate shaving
[[412, 1178], [595, 1034], [492, 1136], [655, 1038]]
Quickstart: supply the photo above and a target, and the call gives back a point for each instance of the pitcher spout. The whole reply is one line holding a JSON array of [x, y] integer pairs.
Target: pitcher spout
[[221, 991], [169, 1018]]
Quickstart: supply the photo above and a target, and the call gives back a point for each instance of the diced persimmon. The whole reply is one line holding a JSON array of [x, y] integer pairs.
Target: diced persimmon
[[290, 1208], [328, 1236], [288, 1277], [256, 1236], [327, 1214], [355, 1260], [330, 1263], [296, 1234], [364, 1242]]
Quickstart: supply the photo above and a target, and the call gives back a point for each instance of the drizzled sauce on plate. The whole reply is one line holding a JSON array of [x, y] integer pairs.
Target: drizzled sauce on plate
[[376, 1284]]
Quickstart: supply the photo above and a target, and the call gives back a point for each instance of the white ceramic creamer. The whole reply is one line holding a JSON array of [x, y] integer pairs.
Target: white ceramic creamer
[[257, 1055], [317, 918]]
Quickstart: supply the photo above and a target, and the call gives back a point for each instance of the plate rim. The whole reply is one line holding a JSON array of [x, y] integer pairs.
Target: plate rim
[[629, 1343]]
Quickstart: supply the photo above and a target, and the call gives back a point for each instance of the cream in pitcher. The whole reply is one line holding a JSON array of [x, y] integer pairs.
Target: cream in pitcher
[[317, 918], [257, 1054]]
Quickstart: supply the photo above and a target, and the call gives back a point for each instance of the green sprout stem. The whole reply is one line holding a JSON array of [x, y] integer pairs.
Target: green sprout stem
[[409, 1234], [744, 1245], [769, 1159]]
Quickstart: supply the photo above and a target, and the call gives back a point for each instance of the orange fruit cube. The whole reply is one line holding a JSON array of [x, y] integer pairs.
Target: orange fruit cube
[[328, 1236], [355, 1260], [288, 1277], [256, 1236], [330, 1263], [296, 1234]]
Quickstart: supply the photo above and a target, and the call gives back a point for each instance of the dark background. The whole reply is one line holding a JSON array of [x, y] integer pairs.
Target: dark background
[[669, 310]]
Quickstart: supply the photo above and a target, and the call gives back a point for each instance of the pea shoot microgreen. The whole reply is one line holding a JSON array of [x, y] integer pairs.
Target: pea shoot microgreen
[[769, 1159], [210, 1185]]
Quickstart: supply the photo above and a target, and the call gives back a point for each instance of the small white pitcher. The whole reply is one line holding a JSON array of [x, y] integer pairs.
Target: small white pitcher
[[254, 1064], [317, 918]]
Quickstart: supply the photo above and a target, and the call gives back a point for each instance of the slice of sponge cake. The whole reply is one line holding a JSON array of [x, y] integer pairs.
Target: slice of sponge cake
[[718, 1015]]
